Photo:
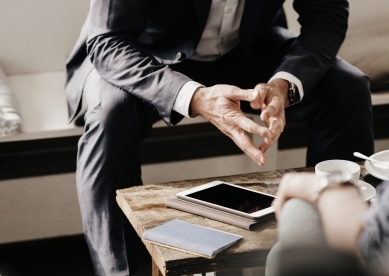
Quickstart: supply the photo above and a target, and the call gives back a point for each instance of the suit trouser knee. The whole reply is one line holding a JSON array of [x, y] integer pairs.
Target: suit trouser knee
[[338, 113], [108, 159]]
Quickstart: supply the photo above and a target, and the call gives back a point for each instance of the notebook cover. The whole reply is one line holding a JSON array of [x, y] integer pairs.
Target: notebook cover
[[191, 238]]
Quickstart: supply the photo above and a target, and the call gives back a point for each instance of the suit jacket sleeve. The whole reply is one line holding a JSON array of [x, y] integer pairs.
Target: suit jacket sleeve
[[112, 47], [323, 28]]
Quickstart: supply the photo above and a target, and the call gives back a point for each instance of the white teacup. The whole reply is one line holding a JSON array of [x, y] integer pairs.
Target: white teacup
[[330, 166]]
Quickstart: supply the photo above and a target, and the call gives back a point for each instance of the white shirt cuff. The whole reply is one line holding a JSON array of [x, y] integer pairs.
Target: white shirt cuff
[[289, 77], [181, 104]]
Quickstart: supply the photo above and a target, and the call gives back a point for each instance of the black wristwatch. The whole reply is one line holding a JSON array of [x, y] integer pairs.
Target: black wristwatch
[[293, 93]]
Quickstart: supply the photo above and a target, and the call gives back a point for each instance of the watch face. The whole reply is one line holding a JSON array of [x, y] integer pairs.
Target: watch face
[[293, 94]]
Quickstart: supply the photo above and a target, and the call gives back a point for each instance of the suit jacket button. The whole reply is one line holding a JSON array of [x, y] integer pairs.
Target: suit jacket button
[[178, 55]]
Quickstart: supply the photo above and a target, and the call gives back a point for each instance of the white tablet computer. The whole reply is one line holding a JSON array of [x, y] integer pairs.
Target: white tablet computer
[[230, 198]]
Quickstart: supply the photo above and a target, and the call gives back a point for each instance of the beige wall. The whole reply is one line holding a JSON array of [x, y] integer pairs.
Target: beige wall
[[38, 35]]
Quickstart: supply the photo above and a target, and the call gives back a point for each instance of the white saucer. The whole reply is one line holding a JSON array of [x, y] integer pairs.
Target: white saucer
[[382, 174], [367, 190]]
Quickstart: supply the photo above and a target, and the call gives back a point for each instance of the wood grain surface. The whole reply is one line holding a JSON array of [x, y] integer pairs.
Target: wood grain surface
[[144, 206]]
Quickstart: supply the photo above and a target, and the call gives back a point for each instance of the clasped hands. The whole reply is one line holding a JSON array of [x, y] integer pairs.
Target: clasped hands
[[220, 104]]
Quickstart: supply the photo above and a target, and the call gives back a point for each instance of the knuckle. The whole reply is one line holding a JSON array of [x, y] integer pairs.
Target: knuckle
[[250, 128], [258, 86], [242, 145], [225, 128], [230, 118], [233, 89], [226, 118]]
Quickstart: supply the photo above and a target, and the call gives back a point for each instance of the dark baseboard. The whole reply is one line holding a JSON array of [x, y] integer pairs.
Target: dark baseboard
[[54, 256], [186, 143], [59, 155], [68, 255]]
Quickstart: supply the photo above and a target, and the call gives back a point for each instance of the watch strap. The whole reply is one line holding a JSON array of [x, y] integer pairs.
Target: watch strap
[[335, 179]]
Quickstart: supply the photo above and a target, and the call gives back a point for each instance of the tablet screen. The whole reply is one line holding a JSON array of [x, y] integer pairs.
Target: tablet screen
[[234, 198]]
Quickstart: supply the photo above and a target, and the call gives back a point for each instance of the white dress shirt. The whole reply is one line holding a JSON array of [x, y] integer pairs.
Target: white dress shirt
[[221, 35]]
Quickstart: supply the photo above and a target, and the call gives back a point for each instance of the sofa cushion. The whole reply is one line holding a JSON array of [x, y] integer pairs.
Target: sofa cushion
[[367, 48], [10, 120]]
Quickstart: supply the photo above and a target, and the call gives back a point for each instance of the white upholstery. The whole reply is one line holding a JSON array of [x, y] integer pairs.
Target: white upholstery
[[10, 121]]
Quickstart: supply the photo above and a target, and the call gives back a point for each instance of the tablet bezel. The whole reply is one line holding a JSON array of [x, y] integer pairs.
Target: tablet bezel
[[254, 216]]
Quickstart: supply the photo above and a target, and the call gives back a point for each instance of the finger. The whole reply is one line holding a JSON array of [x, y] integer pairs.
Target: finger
[[276, 125], [260, 103], [282, 194], [248, 147], [287, 179], [263, 91], [268, 142], [249, 125], [299, 185], [263, 88], [277, 204], [264, 146], [255, 105], [241, 94], [272, 109]]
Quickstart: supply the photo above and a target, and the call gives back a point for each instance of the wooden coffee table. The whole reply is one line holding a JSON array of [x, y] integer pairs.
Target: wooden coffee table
[[145, 208]]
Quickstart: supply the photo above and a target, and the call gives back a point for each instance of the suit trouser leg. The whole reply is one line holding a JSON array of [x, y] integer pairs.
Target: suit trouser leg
[[108, 159], [338, 114]]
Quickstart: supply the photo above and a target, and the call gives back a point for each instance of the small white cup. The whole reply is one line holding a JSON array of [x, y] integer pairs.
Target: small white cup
[[330, 166]]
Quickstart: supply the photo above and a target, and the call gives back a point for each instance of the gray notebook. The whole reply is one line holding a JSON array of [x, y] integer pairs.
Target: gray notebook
[[191, 238]]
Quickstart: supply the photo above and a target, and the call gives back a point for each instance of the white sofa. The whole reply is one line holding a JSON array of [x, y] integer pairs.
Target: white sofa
[[46, 206]]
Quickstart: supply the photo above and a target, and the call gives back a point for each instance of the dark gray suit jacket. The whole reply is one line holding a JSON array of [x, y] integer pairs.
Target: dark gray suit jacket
[[131, 43]]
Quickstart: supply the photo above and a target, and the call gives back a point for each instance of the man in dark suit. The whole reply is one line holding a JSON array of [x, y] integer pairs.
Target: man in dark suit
[[138, 60]]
